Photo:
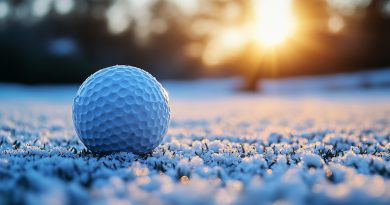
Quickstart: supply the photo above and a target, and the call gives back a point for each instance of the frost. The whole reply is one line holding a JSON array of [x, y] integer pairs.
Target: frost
[[236, 149], [312, 160]]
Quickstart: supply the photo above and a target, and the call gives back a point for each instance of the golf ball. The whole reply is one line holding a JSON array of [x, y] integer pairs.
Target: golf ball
[[121, 108]]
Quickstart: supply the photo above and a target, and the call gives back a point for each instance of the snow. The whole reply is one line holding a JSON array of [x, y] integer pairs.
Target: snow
[[282, 146]]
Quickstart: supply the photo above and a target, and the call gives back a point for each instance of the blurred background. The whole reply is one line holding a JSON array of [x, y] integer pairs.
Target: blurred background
[[64, 41]]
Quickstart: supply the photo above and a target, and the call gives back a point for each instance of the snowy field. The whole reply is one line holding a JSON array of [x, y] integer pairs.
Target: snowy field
[[322, 140]]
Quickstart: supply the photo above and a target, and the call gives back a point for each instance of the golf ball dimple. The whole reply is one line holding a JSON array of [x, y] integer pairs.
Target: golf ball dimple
[[121, 108]]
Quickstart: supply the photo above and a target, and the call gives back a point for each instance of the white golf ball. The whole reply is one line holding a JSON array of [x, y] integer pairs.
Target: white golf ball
[[121, 108]]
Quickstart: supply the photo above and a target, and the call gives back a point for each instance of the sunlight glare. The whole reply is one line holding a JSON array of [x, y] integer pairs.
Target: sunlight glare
[[274, 21], [224, 45]]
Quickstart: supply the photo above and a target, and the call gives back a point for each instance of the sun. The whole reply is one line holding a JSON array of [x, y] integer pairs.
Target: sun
[[270, 25], [274, 21]]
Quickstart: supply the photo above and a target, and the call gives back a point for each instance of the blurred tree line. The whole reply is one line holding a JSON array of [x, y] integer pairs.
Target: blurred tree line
[[59, 48], [64, 41]]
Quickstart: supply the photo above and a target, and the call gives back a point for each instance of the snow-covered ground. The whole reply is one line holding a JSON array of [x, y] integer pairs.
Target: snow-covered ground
[[313, 140]]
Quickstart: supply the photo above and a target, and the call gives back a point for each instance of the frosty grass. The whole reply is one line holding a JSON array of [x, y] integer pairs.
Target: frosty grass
[[237, 150]]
